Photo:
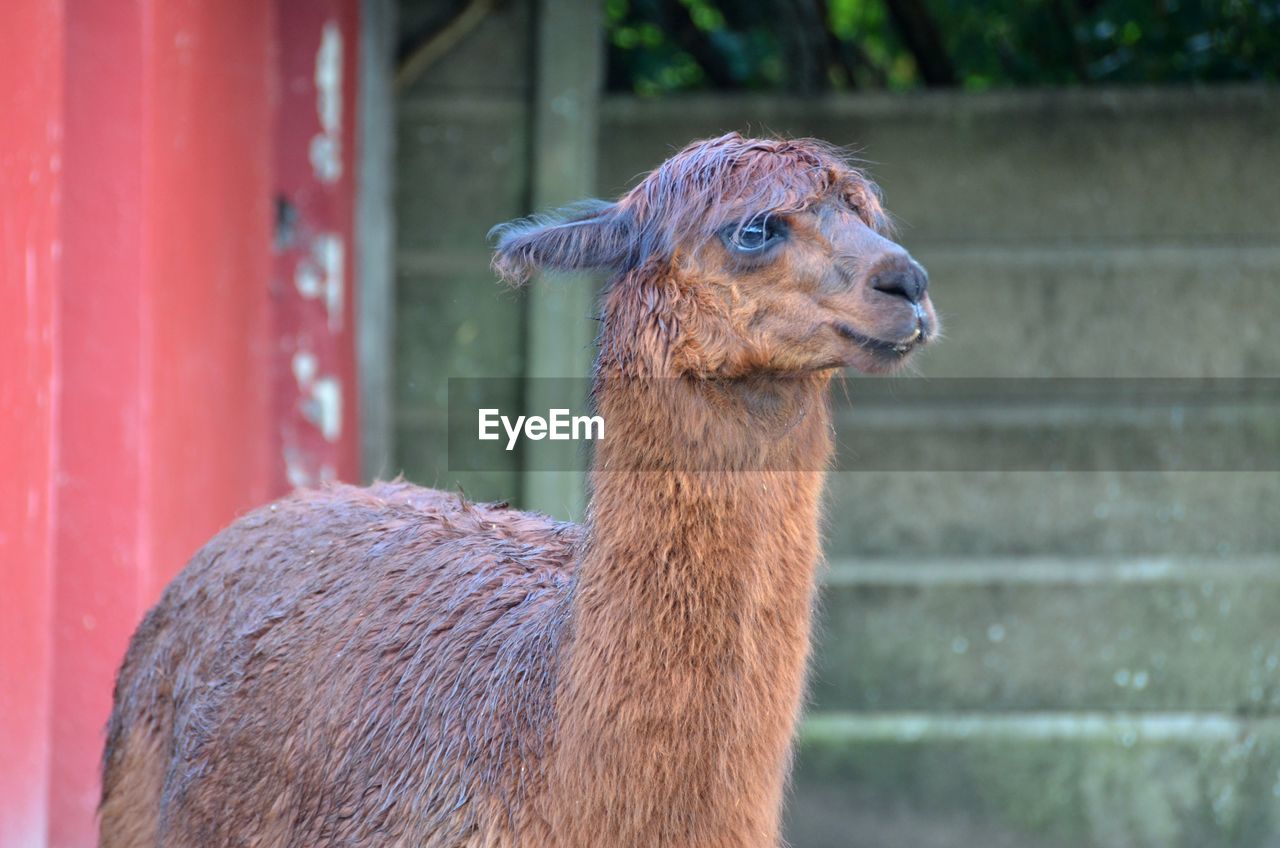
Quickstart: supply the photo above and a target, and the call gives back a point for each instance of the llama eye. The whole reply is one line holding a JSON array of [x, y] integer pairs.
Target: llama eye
[[755, 234]]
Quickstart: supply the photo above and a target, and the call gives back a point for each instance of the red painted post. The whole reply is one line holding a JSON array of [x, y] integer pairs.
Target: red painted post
[[102, 553], [313, 277], [32, 44], [158, 365], [165, 419]]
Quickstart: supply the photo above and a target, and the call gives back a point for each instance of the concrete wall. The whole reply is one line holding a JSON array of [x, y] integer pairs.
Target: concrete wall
[[463, 147], [1020, 659]]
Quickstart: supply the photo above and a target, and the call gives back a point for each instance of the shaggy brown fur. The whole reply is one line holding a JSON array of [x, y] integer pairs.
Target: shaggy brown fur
[[395, 666]]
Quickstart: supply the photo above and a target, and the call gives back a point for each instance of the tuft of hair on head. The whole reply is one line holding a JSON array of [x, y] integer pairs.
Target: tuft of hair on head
[[687, 199], [586, 236], [722, 181]]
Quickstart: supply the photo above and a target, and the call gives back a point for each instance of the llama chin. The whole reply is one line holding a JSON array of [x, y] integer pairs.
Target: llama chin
[[397, 665]]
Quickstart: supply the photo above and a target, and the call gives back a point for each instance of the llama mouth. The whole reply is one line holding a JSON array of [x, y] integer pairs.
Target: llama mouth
[[899, 348]]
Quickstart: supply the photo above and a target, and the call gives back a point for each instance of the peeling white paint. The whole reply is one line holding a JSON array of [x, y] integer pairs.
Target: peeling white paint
[[295, 469], [304, 368], [323, 274], [330, 255], [307, 279], [326, 396], [329, 78], [326, 158], [326, 148], [321, 398]]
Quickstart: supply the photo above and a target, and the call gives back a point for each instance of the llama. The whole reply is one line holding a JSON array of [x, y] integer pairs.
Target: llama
[[399, 666]]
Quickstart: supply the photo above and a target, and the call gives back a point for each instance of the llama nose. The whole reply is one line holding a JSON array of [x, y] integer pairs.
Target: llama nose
[[902, 279]]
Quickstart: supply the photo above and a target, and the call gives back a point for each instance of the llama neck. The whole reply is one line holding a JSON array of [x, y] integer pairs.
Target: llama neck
[[691, 614]]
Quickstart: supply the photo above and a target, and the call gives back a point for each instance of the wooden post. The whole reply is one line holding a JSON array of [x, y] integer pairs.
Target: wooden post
[[569, 73], [375, 236]]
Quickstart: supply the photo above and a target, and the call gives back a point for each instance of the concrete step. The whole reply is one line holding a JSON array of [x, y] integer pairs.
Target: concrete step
[[1037, 780], [1102, 513], [1051, 425], [1050, 634]]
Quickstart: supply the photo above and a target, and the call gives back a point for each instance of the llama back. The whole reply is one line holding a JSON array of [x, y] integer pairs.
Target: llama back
[[343, 662]]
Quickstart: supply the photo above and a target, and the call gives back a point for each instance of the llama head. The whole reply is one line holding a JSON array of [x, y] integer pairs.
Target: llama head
[[739, 256]]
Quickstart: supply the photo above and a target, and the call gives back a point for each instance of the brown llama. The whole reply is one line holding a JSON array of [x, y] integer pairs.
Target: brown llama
[[398, 666]]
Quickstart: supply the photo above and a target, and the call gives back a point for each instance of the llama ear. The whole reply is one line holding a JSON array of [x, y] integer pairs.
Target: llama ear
[[589, 235]]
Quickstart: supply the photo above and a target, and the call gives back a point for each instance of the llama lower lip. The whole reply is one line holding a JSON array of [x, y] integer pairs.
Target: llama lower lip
[[900, 348], [908, 344]]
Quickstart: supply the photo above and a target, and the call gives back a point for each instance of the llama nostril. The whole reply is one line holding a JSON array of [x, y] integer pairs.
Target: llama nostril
[[909, 281]]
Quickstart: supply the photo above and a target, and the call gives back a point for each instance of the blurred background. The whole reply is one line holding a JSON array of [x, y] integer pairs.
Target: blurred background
[[242, 248]]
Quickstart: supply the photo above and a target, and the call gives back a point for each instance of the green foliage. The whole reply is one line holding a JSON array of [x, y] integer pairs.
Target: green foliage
[[809, 46]]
